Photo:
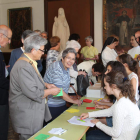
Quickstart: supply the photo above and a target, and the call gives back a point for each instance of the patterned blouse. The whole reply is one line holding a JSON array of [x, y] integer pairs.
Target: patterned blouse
[[52, 56]]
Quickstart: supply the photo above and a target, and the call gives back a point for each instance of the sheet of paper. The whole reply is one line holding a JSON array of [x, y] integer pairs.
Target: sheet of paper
[[76, 120], [41, 137], [58, 131], [59, 94], [55, 138], [72, 110]]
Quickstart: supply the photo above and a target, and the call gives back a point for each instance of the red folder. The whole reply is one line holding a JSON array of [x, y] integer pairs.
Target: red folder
[[87, 100], [90, 107]]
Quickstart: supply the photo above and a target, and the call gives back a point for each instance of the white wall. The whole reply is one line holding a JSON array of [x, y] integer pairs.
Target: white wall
[[98, 24], [37, 13]]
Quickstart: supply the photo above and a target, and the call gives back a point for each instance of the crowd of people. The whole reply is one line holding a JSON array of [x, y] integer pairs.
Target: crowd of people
[[39, 71]]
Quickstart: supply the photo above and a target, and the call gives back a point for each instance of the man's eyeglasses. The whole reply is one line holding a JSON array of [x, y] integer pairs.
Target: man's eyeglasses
[[7, 37], [42, 50]]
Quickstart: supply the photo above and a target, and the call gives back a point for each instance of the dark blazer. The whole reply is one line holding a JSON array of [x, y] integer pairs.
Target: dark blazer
[[4, 82], [15, 55]]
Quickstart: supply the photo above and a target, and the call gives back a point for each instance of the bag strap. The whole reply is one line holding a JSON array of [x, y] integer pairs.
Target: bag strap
[[29, 61], [75, 91]]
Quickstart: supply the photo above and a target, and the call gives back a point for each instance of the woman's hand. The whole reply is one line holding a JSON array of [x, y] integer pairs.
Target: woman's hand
[[84, 116], [94, 121], [99, 106], [49, 85], [78, 102], [54, 90]]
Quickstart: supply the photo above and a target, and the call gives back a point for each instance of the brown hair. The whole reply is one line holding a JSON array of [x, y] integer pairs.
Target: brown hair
[[132, 64], [54, 41], [122, 83]]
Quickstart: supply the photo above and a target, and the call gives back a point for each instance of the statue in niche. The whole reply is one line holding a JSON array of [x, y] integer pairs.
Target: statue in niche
[[61, 28]]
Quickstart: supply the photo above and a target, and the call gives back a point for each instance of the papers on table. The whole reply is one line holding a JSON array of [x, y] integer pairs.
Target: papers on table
[[76, 120], [59, 94], [58, 131], [72, 110], [55, 138], [41, 137]]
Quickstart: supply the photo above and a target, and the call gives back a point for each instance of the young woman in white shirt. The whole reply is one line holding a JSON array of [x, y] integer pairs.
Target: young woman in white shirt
[[125, 112], [136, 48], [108, 53], [131, 67]]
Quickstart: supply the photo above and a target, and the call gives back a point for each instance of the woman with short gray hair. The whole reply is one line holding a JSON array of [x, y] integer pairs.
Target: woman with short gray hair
[[28, 92], [89, 53], [58, 74]]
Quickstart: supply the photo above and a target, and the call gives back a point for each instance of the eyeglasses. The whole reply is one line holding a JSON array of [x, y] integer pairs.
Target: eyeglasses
[[7, 37], [42, 50], [70, 58]]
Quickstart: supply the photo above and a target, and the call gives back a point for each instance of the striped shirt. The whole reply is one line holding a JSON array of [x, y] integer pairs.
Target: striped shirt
[[57, 75]]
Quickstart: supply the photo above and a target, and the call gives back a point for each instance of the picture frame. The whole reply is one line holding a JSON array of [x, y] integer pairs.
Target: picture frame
[[19, 20], [121, 18]]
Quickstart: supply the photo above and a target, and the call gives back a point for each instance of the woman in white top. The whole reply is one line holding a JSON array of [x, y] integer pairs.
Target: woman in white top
[[131, 67], [125, 112], [136, 48], [108, 53]]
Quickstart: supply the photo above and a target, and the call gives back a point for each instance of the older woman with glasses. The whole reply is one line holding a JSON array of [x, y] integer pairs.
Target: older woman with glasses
[[28, 91], [58, 74]]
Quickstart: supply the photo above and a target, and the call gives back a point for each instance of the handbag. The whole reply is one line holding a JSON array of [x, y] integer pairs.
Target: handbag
[[74, 97], [82, 84], [47, 111]]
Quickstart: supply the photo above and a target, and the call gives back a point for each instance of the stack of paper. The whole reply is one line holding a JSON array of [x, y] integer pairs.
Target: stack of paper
[[72, 110], [55, 138], [77, 121], [58, 131]]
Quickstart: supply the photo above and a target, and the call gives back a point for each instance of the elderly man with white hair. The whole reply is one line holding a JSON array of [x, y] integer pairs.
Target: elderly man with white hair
[[89, 52], [5, 38], [28, 108]]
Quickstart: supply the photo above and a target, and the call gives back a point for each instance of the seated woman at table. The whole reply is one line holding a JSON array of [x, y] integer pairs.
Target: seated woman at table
[[112, 66], [131, 67], [108, 53], [53, 53], [89, 53], [125, 112], [136, 48], [58, 74]]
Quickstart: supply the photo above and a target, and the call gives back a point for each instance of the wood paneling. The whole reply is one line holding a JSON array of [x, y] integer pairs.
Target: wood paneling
[[79, 15]]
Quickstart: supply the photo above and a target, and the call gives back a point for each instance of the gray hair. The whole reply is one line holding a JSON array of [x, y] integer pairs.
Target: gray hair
[[89, 38], [68, 50], [34, 41], [44, 32]]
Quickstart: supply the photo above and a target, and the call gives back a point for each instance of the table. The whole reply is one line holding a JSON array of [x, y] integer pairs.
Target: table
[[74, 132]]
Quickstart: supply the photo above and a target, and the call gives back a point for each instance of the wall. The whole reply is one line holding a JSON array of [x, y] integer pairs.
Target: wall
[[98, 24], [38, 17], [77, 13], [37, 13]]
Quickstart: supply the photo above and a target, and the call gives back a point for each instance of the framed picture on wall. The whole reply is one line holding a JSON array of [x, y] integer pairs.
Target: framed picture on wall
[[121, 18], [19, 20]]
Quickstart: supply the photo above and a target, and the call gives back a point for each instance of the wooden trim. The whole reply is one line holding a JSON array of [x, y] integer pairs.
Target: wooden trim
[[92, 19]]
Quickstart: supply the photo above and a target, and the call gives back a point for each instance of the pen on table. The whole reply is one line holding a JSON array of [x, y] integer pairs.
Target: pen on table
[[99, 99]]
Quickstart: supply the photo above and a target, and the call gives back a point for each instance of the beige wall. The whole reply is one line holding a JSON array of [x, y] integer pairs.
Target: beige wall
[[37, 13], [38, 17], [98, 24]]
